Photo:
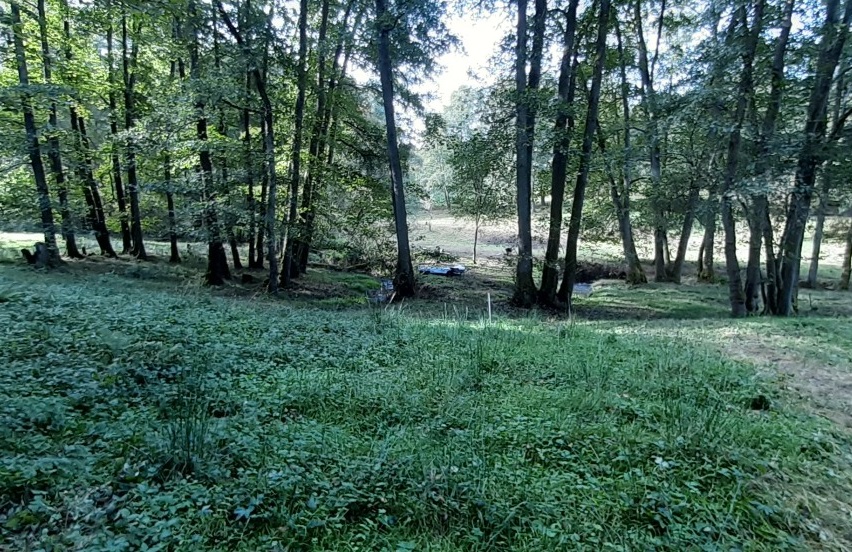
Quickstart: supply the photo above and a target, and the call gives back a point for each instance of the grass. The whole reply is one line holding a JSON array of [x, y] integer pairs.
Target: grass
[[140, 415]]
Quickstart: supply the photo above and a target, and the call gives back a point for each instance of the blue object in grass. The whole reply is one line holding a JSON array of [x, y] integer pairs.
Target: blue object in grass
[[454, 270], [583, 290]]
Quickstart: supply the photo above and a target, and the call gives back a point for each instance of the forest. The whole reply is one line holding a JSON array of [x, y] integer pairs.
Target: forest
[[217, 220]]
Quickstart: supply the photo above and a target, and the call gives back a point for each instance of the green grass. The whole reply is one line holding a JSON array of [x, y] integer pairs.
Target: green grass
[[134, 416]]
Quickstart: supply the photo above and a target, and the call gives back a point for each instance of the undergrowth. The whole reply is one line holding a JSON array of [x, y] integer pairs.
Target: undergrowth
[[135, 418]]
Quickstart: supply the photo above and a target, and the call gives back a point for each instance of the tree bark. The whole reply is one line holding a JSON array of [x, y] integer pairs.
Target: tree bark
[[95, 209], [563, 129], [33, 147], [675, 269], [53, 150], [217, 262], [300, 246], [268, 132], [646, 71], [404, 276], [847, 261], [735, 285], [127, 242], [566, 290], [290, 268], [834, 35], [825, 190], [525, 292], [128, 64]]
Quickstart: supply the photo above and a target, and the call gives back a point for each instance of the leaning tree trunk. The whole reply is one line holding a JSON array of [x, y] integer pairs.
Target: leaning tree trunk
[[33, 147], [95, 215], [811, 155], [563, 129], [675, 269], [566, 290], [404, 276]]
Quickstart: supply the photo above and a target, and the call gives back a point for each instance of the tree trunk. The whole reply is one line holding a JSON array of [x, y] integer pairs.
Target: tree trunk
[[404, 277], [174, 256], [33, 147], [95, 213], [675, 269], [268, 132], [563, 129], [646, 70], [818, 231], [53, 149], [706, 272], [525, 292], [128, 63], [847, 261], [759, 222], [735, 286], [254, 255], [264, 186], [566, 290], [300, 245], [290, 268], [811, 155], [127, 242], [217, 262]]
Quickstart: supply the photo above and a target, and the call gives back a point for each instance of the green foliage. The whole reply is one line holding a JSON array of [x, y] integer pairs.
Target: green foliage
[[137, 418]]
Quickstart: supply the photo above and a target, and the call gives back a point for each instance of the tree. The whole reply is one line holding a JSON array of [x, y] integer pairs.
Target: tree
[[53, 149], [525, 291], [834, 33], [566, 289], [33, 146], [404, 275], [563, 129]]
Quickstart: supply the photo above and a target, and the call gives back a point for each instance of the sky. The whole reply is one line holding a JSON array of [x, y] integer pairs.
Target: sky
[[479, 37]]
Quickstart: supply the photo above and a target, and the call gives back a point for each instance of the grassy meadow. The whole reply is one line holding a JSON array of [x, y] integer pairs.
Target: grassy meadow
[[139, 411]]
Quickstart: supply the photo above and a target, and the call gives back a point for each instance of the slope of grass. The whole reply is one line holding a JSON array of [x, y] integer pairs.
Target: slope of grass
[[133, 417]]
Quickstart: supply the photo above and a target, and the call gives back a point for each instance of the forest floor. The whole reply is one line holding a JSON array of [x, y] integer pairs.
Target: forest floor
[[138, 409]]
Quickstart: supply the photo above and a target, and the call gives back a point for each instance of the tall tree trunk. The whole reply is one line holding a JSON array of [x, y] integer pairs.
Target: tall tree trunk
[[268, 132], [217, 262], [33, 147], [735, 285], [127, 242], [404, 276], [834, 35], [525, 292], [563, 129], [53, 153], [95, 214], [646, 71], [255, 259], [566, 290], [300, 246], [825, 191], [758, 217], [290, 268], [621, 199], [128, 64]]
